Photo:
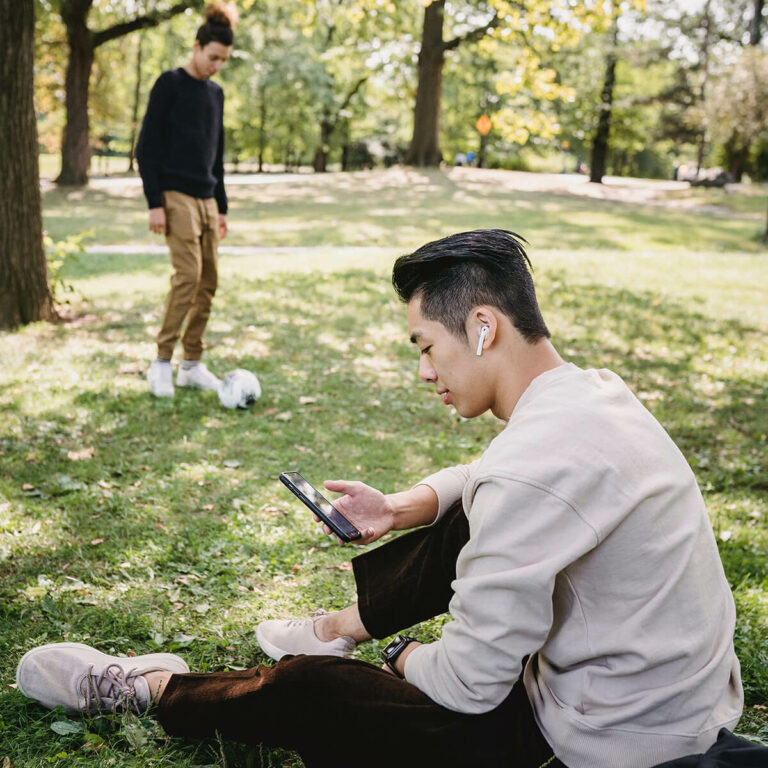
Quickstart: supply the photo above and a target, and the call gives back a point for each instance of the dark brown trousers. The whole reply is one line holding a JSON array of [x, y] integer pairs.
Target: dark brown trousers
[[345, 713]]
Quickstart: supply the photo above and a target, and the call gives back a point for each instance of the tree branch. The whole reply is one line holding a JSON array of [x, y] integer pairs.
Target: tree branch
[[473, 35], [141, 22]]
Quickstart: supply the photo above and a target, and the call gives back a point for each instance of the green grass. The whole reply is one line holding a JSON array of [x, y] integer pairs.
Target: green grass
[[135, 524], [397, 207]]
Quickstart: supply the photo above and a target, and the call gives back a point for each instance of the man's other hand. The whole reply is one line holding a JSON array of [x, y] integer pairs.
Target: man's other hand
[[222, 226], [157, 220]]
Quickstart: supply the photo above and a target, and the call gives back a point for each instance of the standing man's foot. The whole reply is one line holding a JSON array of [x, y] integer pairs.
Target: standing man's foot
[[160, 378], [281, 637], [82, 679], [193, 373]]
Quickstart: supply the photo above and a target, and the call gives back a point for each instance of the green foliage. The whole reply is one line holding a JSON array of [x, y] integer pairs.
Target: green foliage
[[62, 254]]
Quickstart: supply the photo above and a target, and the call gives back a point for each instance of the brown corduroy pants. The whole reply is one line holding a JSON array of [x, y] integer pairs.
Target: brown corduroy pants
[[193, 237], [345, 713]]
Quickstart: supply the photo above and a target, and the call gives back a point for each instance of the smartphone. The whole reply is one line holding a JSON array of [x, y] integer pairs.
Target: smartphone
[[320, 506]]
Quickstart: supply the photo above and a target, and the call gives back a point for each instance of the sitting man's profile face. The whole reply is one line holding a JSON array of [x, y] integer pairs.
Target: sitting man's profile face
[[450, 363]]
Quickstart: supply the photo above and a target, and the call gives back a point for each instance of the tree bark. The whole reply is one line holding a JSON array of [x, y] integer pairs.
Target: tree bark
[[135, 110], [83, 42], [25, 295], [600, 143], [755, 27], [75, 145], [424, 149], [320, 160]]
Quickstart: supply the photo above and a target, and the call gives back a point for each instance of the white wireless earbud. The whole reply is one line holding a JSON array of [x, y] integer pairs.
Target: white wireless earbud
[[483, 333]]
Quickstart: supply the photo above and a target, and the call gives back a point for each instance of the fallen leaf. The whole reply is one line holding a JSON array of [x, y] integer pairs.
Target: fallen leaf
[[208, 507], [284, 416], [96, 542], [344, 566], [233, 463], [66, 727], [307, 400], [27, 487], [130, 653], [85, 453], [13, 686], [296, 568]]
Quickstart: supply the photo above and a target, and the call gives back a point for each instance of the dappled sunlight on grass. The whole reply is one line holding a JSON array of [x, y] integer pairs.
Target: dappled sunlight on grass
[[403, 207], [140, 524]]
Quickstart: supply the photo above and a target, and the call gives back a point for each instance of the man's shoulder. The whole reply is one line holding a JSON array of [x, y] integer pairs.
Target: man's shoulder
[[168, 79]]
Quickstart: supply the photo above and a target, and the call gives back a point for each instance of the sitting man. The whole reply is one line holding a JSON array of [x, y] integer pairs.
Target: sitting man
[[591, 623]]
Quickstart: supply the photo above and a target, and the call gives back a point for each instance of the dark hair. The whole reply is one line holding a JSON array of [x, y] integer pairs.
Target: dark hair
[[462, 271], [220, 19]]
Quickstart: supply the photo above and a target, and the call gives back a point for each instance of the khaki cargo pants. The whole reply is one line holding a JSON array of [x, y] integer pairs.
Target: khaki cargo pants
[[192, 235]]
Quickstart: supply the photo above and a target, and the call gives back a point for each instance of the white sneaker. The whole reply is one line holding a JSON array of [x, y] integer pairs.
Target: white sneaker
[[160, 378], [198, 376], [82, 679], [282, 637]]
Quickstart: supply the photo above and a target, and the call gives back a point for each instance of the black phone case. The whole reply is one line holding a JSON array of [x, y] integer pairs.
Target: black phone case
[[343, 535]]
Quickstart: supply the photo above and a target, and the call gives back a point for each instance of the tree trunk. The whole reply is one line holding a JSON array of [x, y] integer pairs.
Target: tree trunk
[[75, 149], [262, 126], [755, 27], [707, 21], [602, 135], [765, 234], [320, 161], [25, 295], [737, 155], [425, 143], [136, 98]]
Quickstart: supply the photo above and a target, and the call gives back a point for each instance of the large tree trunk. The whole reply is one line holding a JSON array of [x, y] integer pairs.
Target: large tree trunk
[[425, 143], [600, 144], [75, 149], [24, 292]]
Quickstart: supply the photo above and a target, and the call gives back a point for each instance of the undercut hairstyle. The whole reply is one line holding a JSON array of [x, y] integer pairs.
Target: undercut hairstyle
[[453, 275], [220, 20]]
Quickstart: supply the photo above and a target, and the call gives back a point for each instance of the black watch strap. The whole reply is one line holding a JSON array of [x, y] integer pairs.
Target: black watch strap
[[392, 652]]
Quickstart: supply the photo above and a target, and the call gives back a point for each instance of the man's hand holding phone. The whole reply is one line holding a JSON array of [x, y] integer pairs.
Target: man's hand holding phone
[[369, 510]]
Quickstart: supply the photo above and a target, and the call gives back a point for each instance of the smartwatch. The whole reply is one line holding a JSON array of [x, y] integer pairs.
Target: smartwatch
[[392, 651]]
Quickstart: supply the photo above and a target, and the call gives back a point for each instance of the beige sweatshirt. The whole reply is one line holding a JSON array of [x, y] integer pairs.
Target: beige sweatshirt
[[591, 551]]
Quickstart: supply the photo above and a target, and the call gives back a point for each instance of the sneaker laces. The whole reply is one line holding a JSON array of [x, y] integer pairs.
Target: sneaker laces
[[111, 688]]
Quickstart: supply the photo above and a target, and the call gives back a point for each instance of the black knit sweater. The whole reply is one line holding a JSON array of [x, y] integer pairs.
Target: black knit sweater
[[181, 144]]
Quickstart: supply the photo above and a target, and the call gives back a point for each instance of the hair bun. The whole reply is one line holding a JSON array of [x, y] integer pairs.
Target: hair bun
[[221, 14]]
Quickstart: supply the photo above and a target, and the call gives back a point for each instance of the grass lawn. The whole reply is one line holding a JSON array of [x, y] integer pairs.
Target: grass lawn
[[135, 524]]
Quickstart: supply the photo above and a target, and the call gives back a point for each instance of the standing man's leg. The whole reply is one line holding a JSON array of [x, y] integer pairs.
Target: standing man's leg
[[184, 228], [193, 373]]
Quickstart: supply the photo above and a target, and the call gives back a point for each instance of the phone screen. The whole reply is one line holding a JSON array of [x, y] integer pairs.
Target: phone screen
[[335, 520]]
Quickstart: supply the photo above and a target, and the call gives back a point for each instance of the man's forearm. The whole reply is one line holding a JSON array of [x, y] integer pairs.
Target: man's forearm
[[413, 508]]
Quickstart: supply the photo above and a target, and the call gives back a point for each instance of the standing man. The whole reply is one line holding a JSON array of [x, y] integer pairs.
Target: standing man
[[181, 161], [590, 619]]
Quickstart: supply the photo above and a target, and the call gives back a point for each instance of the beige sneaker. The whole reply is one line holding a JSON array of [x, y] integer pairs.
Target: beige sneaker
[[82, 679], [284, 637]]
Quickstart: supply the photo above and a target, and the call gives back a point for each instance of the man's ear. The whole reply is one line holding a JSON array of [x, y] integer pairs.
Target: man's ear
[[479, 318]]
